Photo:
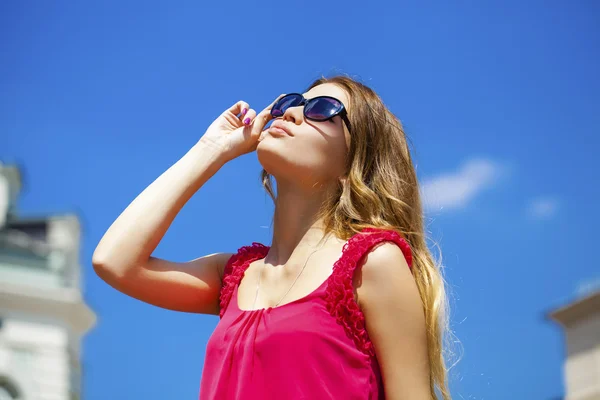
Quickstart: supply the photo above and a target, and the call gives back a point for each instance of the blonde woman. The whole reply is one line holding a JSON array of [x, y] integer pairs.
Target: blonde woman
[[346, 302]]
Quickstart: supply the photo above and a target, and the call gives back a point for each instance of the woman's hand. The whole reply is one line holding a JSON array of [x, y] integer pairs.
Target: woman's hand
[[237, 130]]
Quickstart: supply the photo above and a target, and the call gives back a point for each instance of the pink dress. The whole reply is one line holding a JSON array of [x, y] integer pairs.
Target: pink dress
[[312, 348]]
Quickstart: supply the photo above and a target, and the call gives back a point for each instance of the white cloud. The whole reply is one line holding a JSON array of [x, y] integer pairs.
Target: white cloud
[[543, 207], [454, 190], [587, 287]]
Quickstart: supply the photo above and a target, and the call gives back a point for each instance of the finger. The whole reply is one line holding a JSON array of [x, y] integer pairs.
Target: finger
[[258, 124], [263, 118], [249, 117], [239, 109]]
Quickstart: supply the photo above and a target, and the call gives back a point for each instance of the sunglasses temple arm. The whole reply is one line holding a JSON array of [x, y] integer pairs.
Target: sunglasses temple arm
[[346, 120]]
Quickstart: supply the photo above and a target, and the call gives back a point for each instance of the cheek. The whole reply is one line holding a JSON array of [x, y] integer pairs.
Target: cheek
[[324, 151]]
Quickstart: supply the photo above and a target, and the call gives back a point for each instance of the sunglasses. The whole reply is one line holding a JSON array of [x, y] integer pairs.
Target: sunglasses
[[321, 108]]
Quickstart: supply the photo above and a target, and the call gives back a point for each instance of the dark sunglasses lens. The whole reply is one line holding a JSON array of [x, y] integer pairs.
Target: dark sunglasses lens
[[322, 108], [284, 103]]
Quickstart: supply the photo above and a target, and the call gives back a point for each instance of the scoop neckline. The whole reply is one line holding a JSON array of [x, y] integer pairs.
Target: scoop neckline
[[298, 300], [269, 309], [336, 264]]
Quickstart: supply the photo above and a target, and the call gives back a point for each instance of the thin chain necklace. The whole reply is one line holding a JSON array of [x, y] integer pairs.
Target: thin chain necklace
[[293, 283]]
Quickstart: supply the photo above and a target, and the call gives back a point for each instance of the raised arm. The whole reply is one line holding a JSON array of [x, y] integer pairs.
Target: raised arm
[[123, 258]]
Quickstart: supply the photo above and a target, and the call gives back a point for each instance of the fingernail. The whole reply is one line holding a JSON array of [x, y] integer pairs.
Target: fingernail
[[244, 111], [246, 121]]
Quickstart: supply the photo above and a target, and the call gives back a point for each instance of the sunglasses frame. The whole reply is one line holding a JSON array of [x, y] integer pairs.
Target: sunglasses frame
[[341, 111]]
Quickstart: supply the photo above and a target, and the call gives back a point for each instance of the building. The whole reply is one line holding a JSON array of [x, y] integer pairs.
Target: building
[[42, 313], [581, 323]]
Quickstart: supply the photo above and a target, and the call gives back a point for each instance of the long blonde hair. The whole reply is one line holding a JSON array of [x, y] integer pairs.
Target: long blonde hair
[[381, 190]]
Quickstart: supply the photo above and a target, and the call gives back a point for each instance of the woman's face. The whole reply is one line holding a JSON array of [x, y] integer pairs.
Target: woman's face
[[313, 152]]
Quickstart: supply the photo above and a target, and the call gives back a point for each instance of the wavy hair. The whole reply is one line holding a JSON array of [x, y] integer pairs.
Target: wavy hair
[[381, 191]]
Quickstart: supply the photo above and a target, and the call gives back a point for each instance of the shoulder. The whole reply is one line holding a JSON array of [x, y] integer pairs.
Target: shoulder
[[243, 256], [386, 277], [223, 260], [371, 238], [234, 268], [384, 259]]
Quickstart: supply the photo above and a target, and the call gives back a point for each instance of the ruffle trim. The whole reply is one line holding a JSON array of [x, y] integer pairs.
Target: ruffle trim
[[235, 268], [339, 292], [339, 295]]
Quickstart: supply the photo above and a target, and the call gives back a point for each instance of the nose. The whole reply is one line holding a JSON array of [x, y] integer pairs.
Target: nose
[[294, 114]]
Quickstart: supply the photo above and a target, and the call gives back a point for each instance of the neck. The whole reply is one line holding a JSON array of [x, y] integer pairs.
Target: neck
[[295, 224]]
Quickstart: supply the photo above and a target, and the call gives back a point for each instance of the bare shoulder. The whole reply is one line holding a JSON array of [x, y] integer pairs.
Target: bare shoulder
[[395, 321], [384, 271], [387, 283], [221, 260]]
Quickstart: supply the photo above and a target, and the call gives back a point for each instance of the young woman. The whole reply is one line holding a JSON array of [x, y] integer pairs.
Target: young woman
[[346, 302]]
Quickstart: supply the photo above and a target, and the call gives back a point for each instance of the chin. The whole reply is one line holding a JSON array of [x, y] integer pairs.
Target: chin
[[270, 155], [289, 163], [275, 158]]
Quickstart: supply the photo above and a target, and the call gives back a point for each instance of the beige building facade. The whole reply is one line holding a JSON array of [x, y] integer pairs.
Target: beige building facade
[[581, 323], [42, 313]]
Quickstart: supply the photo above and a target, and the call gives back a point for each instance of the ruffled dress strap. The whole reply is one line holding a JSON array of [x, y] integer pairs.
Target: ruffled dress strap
[[339, 295], [235, 268]]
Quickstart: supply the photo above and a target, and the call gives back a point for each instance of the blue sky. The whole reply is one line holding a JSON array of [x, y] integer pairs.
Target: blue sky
[[500, 101]]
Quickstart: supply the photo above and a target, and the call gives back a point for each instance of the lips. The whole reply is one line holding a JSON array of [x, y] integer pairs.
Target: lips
[[281, 126]]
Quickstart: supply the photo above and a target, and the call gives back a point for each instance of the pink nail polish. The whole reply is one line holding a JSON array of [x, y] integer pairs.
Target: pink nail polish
[[244, 111], [246, 121]]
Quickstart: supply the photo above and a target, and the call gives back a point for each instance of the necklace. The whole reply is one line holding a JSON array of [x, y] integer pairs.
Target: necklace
[[293, 283]]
